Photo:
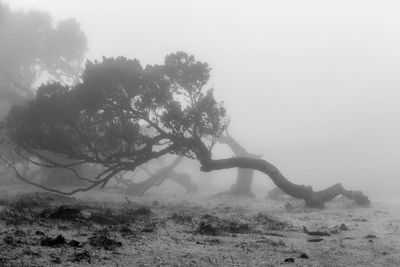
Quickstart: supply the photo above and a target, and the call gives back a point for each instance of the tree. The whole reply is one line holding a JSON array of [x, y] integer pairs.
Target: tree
[[123, 115], [34, 48]]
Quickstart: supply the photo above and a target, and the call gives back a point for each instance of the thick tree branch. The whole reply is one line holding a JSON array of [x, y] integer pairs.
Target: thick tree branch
[[312, 198]]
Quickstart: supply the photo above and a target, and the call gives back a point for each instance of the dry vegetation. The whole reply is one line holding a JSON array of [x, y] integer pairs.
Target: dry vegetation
[[41, 229]]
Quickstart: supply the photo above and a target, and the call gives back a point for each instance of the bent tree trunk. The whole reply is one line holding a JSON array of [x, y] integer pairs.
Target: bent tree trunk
[[315, 199], [244, 180]]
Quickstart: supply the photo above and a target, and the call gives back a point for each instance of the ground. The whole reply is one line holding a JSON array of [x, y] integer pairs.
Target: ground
[[40, 229]]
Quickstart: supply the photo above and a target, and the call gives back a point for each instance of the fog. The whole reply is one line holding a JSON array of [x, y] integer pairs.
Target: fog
[[313, 86]]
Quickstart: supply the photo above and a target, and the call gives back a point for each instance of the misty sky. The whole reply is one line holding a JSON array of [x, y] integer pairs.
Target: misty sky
[[314, 86]]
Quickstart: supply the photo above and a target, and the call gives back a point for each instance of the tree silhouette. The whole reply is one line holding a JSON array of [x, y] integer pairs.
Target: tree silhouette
[[123, 115], [33, 49]]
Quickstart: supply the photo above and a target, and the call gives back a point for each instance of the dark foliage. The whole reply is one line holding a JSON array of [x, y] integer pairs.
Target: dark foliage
[[122, 115]]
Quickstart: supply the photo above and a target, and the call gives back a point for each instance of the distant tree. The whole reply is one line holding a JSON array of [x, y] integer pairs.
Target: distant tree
[[244, 179], [157, 178], [34, 49], [123, 115]]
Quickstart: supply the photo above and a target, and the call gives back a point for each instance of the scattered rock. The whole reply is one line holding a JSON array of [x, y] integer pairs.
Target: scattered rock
[[315, 240], [53, 242], [74, 243], [289, 260], [149, 228], [81, 255], [271, 242], [303, 255], [370, 236], [359, 220], [39, 233], [318, 233]]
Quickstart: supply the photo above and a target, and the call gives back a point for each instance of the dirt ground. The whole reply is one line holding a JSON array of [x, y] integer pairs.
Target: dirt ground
[[42, 229]]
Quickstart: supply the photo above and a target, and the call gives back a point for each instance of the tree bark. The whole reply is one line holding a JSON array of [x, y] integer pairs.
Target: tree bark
[[315, 199], [244, 179]]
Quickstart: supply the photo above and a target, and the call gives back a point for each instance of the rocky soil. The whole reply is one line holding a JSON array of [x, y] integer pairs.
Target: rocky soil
[[43, 229]]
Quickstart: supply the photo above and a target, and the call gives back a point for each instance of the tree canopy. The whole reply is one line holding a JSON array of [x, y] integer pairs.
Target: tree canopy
[[123, 115]]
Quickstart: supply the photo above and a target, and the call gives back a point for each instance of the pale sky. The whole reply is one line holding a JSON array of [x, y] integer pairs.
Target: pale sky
[[314, 86]]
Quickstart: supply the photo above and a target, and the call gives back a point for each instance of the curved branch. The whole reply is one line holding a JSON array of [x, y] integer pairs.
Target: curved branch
[[83, 189], [311, 197]]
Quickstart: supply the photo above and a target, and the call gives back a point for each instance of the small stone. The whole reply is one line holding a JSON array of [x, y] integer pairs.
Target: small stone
[[55, 259], [303, 255], [315, 240], [289, 260], [39, 232]]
